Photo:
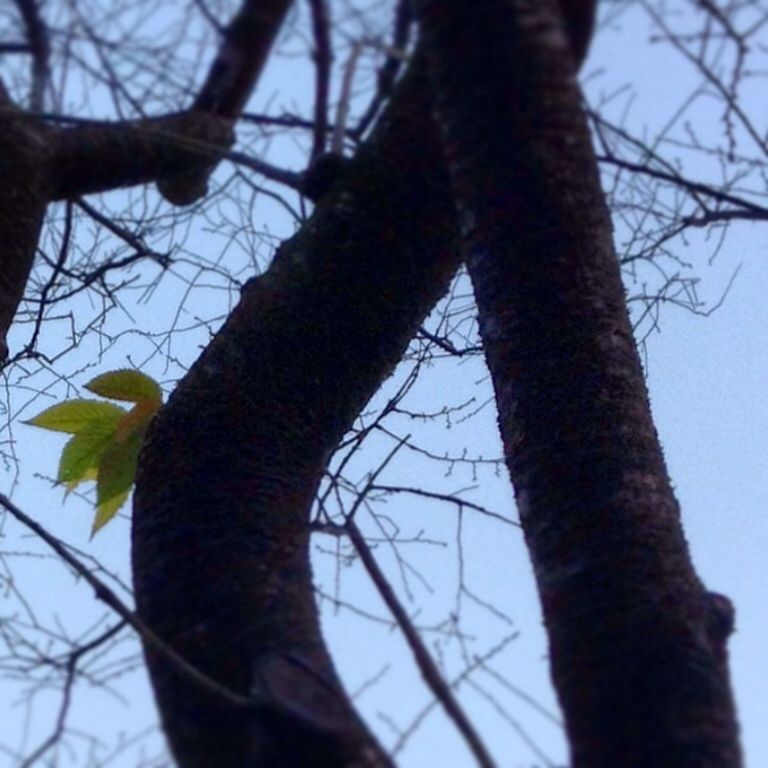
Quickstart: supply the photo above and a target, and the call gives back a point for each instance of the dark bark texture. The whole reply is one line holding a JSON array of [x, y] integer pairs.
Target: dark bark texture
[[24, 193], [229, 472], [637, 659]]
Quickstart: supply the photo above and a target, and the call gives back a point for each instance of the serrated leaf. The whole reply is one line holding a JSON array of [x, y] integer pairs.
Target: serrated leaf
[[83, 454], [117, 471], [90, 474], [106, 438], [74, 416], [126, 384], [107, 510]]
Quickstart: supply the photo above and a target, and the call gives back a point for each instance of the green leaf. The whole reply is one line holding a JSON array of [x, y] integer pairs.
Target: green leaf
[[73, 416], [82, 454], [106, 438], [107, 510], [90, 474], [117, 471], [126, 384]]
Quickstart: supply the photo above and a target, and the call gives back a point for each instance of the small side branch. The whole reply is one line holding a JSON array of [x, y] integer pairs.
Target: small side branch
[[427, 666], [39, 48], [323, 58], [109, 598]]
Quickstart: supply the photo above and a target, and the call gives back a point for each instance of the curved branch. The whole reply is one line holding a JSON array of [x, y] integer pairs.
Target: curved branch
[[233, 75], [227, 478]]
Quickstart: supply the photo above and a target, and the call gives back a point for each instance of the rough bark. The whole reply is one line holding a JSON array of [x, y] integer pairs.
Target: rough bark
[[229, 472], [637, 645], [97, 157], [23, 199]]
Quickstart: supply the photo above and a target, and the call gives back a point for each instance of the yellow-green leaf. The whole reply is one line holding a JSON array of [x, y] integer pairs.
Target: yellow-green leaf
[[117, 471], [83, 454], [107, 510], [74, 416], [126, 384], [90, 474]]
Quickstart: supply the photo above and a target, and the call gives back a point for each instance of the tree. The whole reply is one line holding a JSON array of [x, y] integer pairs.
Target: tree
[[223, 509]]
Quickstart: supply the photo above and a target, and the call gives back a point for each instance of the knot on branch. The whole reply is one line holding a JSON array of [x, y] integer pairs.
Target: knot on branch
[[204, 138], [720, 618], [322, 175]]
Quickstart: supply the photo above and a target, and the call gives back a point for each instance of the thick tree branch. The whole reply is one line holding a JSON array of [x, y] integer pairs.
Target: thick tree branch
[[97, 157], [24, 195], [226, 560], [637, 660], [178, 151], [221, 514], [242, 54], [39, 164]]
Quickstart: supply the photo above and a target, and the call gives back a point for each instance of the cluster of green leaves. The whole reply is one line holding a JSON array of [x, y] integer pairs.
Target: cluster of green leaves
[[106, 438]]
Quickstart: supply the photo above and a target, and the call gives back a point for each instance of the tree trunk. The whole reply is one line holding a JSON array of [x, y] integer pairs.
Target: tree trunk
[[24, 191], [637, 645], [230, 469]]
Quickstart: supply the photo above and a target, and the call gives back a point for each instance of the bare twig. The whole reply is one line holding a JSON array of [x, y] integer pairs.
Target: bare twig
[[426, 665], [323, 58], [109, 598], [66, 699]]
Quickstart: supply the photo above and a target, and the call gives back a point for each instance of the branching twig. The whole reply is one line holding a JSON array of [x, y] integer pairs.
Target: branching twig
[[109, 598], [66, 700], [426, 665]]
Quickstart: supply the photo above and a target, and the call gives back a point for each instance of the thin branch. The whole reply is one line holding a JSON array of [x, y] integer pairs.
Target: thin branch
[[14, 47], [390, 69], [749, 209], [345, 97], [39, 47], [323, 58], [109, 598], [66, 237], [461, 503], [66, 700], [427, 666]]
